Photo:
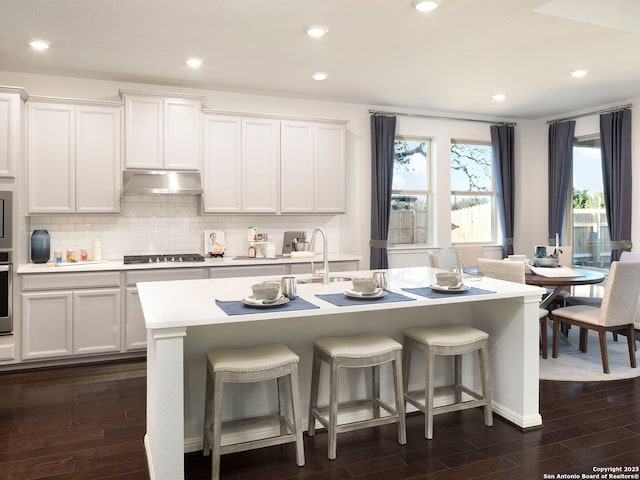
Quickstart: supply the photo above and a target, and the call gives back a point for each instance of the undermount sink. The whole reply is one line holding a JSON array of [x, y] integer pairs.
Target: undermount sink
[[319, 279]]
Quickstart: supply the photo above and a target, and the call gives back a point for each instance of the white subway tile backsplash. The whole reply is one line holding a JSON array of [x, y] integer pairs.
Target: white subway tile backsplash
[[168, 224]]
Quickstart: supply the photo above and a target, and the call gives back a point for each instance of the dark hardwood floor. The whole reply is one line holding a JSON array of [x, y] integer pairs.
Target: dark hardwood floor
[[87, 423]]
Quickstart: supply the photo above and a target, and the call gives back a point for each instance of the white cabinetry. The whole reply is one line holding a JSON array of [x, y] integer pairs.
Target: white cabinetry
[[241, 164], [70, 314], [135, 329], [162, 132], [73, 157], [312, 167], [11, 108]]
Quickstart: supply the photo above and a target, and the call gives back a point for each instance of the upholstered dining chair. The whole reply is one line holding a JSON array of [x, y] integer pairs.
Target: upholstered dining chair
[[467, 255], [442, 259], [616, 313], [513, 272]]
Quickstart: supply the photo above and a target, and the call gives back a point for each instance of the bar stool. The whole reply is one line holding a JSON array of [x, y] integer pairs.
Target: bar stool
[[246, 365], [360, 351], [450, 340]]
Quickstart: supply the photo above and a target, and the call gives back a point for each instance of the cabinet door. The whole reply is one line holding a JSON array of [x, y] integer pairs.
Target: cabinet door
[[136, 332], [96, 321], [330, 168], [182, 134], [296, 167], [46, 324], [50, 158], [222, 164], [10, 132], [143, 132], [98, 165], [260, 158]]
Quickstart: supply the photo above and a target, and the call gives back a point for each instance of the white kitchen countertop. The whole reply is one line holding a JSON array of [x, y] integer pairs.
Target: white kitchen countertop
[[111, 265], [186, 303]]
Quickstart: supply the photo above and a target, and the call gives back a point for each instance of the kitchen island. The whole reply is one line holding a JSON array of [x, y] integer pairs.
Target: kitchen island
[[184, 320]]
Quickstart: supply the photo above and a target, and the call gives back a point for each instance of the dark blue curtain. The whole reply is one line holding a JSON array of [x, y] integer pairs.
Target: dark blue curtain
[[502, 140], [615, 140], [560, 165], [383, 132]]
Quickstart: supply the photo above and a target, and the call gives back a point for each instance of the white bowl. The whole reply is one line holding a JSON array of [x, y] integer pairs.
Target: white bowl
[[266, 290], [364, 285], [447, 279]]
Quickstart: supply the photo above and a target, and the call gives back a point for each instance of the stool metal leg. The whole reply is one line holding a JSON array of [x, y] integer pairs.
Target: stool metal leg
[[400, 410], [334, 381], [216, 436], [375, 384], [486, 384], [315, 386], [457, 364], [296, 416], [206, 444], [429, 389]]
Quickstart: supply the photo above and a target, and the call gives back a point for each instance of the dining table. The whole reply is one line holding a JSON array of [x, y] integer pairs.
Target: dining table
[[579, 276]]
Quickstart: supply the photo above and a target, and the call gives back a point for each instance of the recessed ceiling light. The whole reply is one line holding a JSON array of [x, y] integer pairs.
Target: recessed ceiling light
[[316, 31], [579, 73], [320, 76], [194, 62], [499, 97], [426, 5], [39, 45]]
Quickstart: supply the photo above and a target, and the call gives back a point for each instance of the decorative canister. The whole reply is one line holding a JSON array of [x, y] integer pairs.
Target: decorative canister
[[40, 246]]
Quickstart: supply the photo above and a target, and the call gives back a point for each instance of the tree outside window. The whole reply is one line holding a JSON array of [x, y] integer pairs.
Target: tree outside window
[[473, 211], [409, 217]]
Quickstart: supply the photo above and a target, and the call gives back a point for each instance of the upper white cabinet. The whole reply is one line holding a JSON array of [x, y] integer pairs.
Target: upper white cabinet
[[73, 157], [241, 164], [11, 113], [268, 165], [313, 167], [162, 132]]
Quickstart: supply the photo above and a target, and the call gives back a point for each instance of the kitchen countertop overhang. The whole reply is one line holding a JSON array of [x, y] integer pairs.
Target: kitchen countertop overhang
[[111, 265]]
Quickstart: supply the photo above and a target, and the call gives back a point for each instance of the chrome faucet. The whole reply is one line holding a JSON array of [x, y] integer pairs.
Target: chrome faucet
[[324, 273]]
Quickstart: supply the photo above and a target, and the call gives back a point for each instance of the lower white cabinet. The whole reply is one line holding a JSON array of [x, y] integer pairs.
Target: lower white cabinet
[[135, 330], [70, 314]]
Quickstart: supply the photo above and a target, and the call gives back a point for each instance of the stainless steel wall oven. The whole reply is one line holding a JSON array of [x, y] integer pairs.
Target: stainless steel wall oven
[[6, 267]]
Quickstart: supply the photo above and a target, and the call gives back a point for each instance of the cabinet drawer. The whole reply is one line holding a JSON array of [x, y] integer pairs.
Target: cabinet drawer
[[164, 275], [57, 281], [248, 271]]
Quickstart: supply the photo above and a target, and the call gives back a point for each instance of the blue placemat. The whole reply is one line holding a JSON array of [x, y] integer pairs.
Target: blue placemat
[[341, 300], [236, 307], [429, 293]]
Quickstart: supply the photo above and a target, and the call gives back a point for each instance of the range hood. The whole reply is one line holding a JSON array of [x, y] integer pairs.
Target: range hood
[[162, 182]]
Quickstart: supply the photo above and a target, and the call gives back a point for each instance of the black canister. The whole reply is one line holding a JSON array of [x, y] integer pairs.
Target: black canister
[[40, 246]]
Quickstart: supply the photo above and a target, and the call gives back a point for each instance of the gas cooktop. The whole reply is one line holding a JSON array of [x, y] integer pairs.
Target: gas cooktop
[[177, 257]]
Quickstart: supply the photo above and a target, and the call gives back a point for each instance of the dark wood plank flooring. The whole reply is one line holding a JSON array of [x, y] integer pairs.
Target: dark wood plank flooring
[[87, 423]]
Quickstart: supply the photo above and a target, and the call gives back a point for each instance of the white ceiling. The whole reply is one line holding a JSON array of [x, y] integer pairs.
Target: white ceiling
[[379, 52]]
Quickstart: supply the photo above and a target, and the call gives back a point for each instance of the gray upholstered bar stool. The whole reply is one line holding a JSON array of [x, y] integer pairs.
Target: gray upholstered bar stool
[[245, 365], [360, 351], [454, 340]]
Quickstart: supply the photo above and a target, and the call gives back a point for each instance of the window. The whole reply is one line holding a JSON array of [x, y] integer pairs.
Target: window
[[587, 215], [409, 218], [473, 209]]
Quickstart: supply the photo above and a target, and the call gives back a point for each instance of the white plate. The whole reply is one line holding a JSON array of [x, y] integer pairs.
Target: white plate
[[439, 288], [377, 293], [252, 302]]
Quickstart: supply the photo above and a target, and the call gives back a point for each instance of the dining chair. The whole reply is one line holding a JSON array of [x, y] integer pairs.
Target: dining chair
[[615, 314], [442, 259], [467, 255], [513, 272]]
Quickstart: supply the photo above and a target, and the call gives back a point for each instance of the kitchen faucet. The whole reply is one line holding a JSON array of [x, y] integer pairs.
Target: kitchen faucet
[[324, 273]]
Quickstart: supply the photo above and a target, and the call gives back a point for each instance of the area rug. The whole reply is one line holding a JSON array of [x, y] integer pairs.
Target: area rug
[[573, 365]]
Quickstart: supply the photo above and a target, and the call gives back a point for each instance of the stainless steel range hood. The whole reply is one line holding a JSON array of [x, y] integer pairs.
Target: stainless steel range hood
[[162, 182]]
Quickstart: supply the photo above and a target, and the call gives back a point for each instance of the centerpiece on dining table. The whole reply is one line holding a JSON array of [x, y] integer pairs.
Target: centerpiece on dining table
[[541, 259]]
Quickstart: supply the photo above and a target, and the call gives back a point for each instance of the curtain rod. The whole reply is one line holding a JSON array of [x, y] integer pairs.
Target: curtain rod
[[600, 112], [441, 117]]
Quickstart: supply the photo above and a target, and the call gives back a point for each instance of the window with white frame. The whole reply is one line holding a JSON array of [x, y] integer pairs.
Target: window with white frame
[[410, 215], [473, 197], [587, 216]]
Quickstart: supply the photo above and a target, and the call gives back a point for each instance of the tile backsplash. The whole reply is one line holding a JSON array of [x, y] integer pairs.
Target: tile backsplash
[[151, 224]]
